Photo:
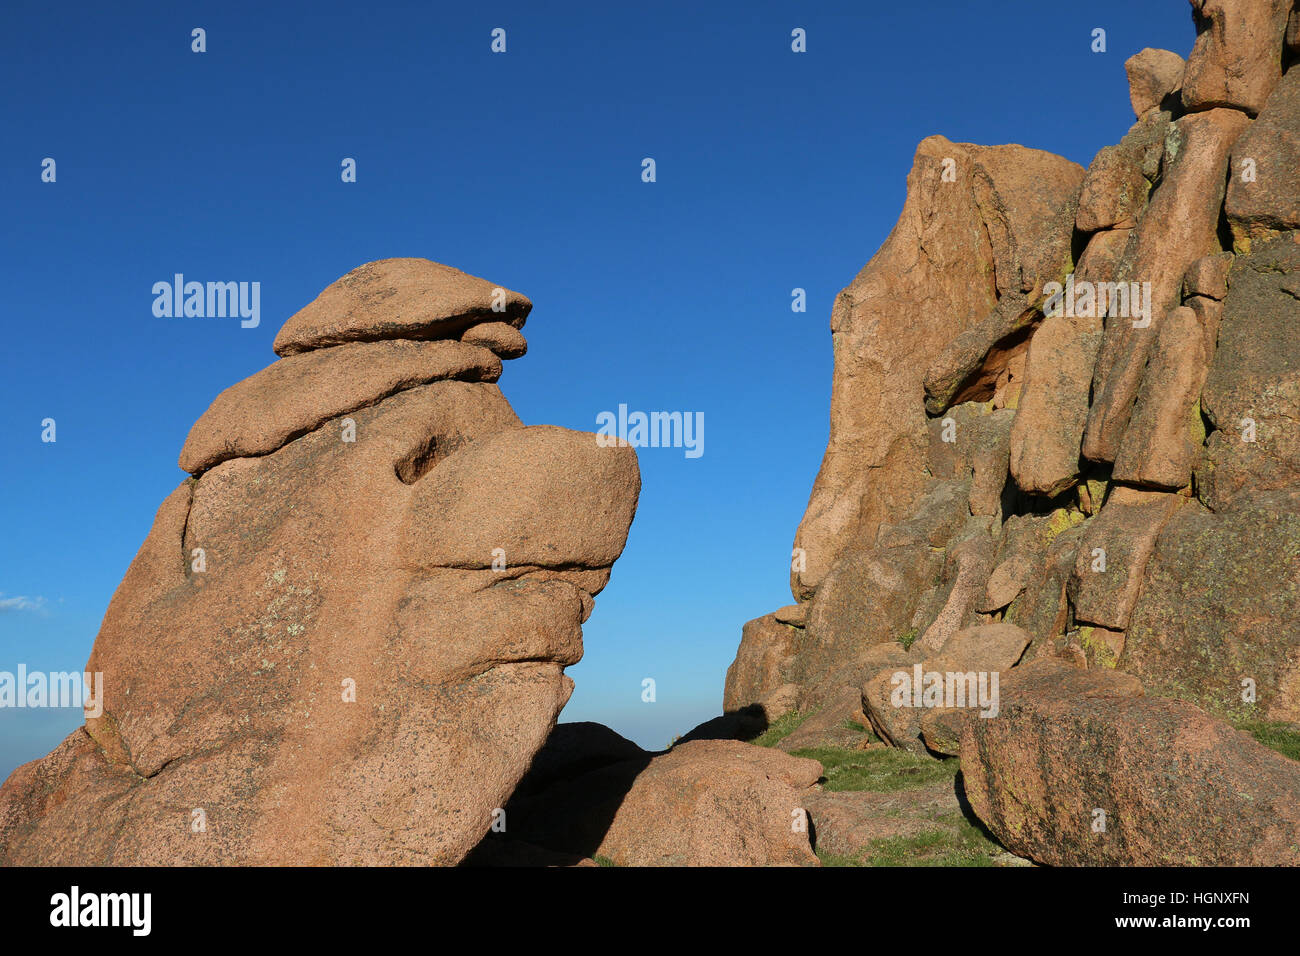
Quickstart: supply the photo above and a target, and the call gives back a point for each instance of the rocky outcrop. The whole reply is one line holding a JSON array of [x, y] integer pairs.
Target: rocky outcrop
[[1264, 189], [1157, 370], [1112, 471], [1153, 76], [1251, 398], [1237, 59], [344, 639], [1070, 775], [701, 803], [1178, 227], [297, 395], [979, 223], [400, 299], [1216, 619], [762, 666]]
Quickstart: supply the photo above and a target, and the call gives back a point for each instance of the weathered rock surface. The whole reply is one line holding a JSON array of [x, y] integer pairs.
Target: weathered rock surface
[[1165, 432], [1237, 59], [839, 723], [1208, 278], [762, 664], [983, 650], [1054, 764], [1177, 228], [796, 615], [987, 647], [847, 822], [1047, 433], [999, 226], [1043, 608], [1153, 75], [1219, 606], [297, 395], [1113, 555], [1120, 177], [869, 600], [702, 803], [1264, 189], [564, 508], [399, 299], [313, 650], [978, 453], [1020, 551], [1252, 393], [953, 604], [501, 338]]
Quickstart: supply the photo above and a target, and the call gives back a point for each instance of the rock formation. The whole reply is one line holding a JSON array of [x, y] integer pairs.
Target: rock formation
[[1064, 449], [592, 794], [344, 639], [1054, 542]]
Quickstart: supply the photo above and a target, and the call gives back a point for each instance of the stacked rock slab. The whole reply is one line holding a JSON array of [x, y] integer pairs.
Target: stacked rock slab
[[344, 639], [1112, 466]]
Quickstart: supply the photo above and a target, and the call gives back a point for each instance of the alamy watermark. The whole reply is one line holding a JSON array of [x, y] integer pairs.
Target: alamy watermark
[[921, 688], [53, 689], [130, 910], [1084, 299], [211, 300], [652, 430]]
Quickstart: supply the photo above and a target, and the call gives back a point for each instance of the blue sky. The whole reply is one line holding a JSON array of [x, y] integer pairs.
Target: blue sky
[[775, 170]]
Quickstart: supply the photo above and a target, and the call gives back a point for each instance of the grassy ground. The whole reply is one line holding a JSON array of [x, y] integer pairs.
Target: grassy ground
[[781, 728], [1276, 735], [885, 770], [949, 839], [956, 843]]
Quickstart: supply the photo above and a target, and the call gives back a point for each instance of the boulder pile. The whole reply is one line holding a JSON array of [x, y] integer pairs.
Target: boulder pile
[[1065, 434]]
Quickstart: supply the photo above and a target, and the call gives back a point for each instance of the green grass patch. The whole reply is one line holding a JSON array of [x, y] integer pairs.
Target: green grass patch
[[780, 728], [603, 860], [960, 843], [1275, 734], [956, 843], [884, 770]]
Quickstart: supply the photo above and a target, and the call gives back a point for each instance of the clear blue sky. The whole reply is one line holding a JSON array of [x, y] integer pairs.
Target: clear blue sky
[[775, 170]]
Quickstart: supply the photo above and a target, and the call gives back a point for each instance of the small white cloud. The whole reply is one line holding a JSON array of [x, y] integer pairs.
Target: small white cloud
[[21, 603]]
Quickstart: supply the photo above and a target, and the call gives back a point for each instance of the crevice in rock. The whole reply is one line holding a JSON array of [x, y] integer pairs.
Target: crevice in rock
[[1223, 229], [445, 329], [192, 484], [420, 460], [982, 384]]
